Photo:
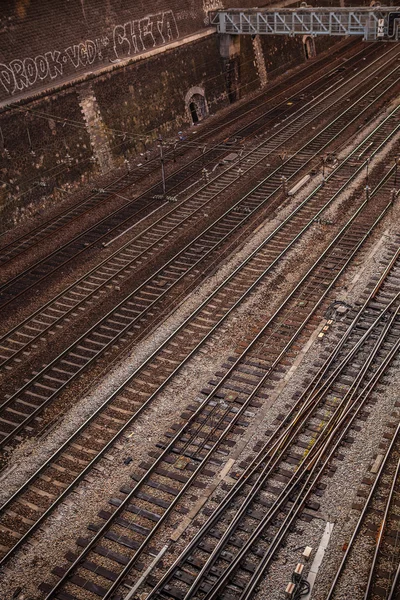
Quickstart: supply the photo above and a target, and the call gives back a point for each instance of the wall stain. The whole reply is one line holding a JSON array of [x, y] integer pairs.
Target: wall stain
[[21, 7]]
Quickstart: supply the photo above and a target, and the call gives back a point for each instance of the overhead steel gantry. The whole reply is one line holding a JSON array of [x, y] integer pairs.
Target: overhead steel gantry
[[373, 23]]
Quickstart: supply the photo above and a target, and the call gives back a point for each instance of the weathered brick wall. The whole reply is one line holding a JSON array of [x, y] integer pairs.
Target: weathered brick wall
[[66, 136], [39, 153], [149, 97], [47, 42], [44, 42], [281, 53], [45, 144]]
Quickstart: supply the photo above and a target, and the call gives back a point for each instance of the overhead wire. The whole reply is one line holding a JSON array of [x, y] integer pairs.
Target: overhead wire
[[65, 168], [188, 143], [139, 136], [127, 135]]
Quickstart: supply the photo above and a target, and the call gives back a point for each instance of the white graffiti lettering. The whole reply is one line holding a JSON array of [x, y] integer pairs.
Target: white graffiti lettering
[[91, 51], [133, 37], [121, 39], [209, 6], [212, 5], [54, 63], [31, 70], [6, 78], [20, 78], [42, 66], [146, 29], [138, 36], [82, 54]]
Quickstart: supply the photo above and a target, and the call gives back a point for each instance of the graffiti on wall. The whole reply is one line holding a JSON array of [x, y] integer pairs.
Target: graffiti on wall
[[133, 37], [212, 5], [137, 36], [209, 6]]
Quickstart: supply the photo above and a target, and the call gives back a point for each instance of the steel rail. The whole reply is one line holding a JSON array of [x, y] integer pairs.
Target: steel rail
[[274, 456], [255, 463], [251, 469], [74, 307], [226, 122], [320, 385], [21, 292], [184, 144], [210, 150], [104, 528], [289, 218], [363, 513], [90, 361], [309, 483], [309, 465], [277, 170], [319, 187], [260, 456], [7, 284], [312, 387], [149, 401], [88, 421], [321, 390], [378, 544], [396, 580], [128, 497], [91, 463], [157, 588], [281, 445]]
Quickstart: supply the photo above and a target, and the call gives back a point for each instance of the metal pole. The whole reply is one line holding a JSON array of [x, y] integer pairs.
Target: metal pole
[[240, 158], [162, 165], [126, 162], [240, 171], [30, 141], [394, 189]]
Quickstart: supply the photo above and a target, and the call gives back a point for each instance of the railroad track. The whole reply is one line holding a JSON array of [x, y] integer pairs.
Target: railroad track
[[231, 552], [132, 256], [12, 407], [13, 249], [19, 409], [238, 406], [377, 530], [114, 224], [196, 440]]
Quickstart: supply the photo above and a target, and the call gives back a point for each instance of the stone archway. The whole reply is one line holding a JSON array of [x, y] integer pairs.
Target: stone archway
[[196, 104], [309, 47]]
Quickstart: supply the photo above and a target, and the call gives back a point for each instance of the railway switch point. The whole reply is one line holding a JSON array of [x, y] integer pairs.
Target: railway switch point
[[257, 253]]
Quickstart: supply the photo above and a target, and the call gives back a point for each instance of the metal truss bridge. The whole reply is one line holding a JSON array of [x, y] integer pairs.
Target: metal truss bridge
[[373, 23]]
